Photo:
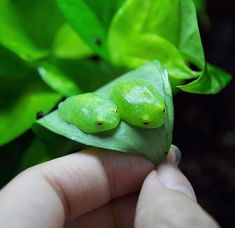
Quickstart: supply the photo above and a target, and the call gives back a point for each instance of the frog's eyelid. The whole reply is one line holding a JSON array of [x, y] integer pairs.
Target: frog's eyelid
[[99, 123]]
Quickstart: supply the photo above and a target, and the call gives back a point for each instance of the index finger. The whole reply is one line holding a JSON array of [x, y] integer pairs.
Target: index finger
[[73, 185]]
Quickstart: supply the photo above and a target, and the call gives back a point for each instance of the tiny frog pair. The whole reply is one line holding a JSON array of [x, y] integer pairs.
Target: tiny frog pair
[[138, 103]]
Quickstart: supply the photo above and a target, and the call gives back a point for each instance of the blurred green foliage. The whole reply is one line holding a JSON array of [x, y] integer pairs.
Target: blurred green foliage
[[51, 49]]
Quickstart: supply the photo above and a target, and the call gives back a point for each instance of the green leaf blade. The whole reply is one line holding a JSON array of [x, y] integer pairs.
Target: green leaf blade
[[151, 143], [14, 36], [167, 31], [11, 65], [78, 14], [57, 80], [212, 81], [19, 117], [154, 34], [68, 45]]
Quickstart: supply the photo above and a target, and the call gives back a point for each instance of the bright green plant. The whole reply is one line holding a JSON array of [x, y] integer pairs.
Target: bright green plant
[[54, 49]]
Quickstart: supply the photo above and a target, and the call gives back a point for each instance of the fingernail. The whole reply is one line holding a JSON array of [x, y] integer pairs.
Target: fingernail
[[172, 178], [174, 156]]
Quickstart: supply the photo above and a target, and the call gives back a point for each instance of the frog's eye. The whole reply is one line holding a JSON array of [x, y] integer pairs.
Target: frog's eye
[[146, 123], [99, 123]]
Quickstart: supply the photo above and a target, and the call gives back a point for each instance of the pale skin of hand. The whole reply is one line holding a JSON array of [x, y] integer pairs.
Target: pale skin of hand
[[97, 188]]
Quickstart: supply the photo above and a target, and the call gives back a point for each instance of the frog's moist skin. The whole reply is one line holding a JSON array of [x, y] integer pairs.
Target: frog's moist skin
[[90, 112], [139, 104]]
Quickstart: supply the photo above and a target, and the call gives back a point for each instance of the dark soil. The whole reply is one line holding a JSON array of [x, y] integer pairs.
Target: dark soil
[[205, 125]]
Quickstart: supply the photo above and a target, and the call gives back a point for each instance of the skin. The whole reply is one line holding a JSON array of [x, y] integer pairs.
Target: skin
[[89, 112], [97, 188], [139, 104]]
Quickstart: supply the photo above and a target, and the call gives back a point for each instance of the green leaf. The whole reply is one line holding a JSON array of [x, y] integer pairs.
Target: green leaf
[[10, 156], [87, 74], [71, 77], [190, 44], [91, 19], [212, 81], [152, 143], [40, 151], [166, 30], [28, 27], [209, 81], [133, 42], [201, 9], [199, 4], [68, 45], [12, 65], [18, 111], [41, 19], [37, 152], [104, 10], [13, 34], [167, 53], [57, 80]]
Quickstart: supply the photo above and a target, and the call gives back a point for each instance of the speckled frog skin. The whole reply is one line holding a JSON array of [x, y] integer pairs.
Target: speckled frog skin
[[90, 112], [137, 102]]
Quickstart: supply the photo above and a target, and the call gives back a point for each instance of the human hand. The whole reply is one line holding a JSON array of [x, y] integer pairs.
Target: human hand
[[97, 188]]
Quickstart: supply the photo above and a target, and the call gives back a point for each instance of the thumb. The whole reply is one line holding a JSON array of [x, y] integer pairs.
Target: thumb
[[167, 199], [172, 178]]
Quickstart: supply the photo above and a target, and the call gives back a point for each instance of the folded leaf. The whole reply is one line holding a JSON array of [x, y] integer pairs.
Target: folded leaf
[[151, 143], [147, 34], [211, 81], [166, 30]]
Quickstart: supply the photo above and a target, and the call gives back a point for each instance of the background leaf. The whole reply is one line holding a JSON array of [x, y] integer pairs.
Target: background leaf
[[80, 75], [209, 81], [152, 143], [36, 153], [95, 15], [201, 9], [68, 45], [41, 151], [148, 37], [41, 19], [57, 80], [11, 65], [166, 30], [14, 35], [18, 112]]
